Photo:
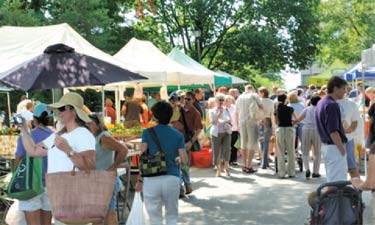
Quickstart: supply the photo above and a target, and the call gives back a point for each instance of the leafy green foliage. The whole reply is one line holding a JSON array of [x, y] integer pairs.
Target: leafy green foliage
[[346, 28]]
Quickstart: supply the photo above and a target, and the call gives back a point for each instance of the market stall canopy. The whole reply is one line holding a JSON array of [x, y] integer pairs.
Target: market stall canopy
[[21, 44], [59, 66], [334, 69], [355, 73], [158, 67], [180, 57], [235, 80]]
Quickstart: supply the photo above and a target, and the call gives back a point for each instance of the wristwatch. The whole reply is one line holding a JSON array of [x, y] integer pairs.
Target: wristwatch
[[71, 153]]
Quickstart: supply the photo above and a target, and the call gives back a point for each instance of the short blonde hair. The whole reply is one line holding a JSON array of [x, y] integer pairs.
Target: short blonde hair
[[230, 99], [293, 97], [211, 102]]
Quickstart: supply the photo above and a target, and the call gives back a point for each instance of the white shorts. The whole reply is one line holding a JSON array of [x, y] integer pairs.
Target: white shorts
[[249, 135], [38, 202], [335, 163]]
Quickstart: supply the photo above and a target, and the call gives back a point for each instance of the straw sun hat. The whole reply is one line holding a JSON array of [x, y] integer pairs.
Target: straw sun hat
[[75, 100]]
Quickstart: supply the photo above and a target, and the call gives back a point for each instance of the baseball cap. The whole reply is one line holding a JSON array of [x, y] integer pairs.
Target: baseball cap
[[40, 108], [180, 93], [173, 95]]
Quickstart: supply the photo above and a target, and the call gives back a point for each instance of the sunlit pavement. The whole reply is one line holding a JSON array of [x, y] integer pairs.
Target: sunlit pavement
[[259, 198]]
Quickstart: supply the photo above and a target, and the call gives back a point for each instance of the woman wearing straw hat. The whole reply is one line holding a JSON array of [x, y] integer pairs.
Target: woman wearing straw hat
[[69, 146], [37, 210], [73, 145]]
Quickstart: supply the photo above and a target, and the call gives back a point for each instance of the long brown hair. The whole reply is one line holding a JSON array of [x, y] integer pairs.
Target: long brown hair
[[99, 121]]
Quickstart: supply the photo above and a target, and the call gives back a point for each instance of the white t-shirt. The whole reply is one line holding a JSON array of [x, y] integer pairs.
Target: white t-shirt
[[349, 113], [27, 115], [80, 139], [268, 106], [22, 105]]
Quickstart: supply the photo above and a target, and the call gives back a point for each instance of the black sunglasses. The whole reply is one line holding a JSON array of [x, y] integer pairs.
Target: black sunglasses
[[221, 100], [188, 99], [63, 108]]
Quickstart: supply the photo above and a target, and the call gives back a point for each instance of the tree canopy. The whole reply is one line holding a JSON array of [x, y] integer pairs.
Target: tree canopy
[[346, 28]]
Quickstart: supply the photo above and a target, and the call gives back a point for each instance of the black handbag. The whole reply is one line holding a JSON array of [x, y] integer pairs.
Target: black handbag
[[153, 165], [195, 146]]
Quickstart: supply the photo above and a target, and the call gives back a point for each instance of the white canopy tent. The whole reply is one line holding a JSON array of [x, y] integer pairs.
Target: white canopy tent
[[20, 44], [158, 67]]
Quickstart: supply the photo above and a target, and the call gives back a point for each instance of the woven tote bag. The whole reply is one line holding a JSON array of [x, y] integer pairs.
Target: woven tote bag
[[80, 197]]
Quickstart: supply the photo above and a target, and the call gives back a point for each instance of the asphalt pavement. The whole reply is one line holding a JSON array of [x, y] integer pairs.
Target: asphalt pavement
[[259, 198]]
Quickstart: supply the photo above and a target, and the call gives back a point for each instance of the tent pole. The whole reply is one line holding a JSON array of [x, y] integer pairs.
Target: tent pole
[[363, 109], [9, 110], [103, 99], [117, 104]]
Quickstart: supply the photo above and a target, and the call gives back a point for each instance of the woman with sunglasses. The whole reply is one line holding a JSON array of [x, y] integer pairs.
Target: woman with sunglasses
[[221, 131], [73, 145], [37, 209]]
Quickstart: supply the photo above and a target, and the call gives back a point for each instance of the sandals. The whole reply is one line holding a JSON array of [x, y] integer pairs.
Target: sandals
[[248, 170]]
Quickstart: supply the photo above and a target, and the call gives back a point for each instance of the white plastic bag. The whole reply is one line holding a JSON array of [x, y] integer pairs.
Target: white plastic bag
[[138, 214], [15, 216]]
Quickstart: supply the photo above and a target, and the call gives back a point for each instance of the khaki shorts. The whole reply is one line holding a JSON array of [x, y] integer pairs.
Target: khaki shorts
[[249, 135]]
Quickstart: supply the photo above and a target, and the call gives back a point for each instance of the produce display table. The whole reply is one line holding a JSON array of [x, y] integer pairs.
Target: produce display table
[[8, 145]]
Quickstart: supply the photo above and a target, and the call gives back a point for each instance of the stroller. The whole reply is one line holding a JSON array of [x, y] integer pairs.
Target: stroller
[[337, 203]]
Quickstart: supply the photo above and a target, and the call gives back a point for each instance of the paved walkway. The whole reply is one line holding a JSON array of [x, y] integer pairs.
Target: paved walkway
[[258, 198]]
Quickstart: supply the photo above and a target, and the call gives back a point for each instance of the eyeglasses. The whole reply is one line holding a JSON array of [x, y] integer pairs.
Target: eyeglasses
[[221, 100], [63, 108], [188, 99]]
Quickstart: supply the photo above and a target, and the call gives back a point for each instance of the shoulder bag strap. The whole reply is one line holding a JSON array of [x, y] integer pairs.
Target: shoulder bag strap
[[184, 120], [155, 138]]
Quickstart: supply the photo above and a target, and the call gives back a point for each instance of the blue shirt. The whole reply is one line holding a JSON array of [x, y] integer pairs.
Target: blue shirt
[[170, 140], [38, 135], [328, 120]]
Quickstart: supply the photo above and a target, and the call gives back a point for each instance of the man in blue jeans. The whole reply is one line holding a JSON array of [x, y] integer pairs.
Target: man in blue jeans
[[191, 119]]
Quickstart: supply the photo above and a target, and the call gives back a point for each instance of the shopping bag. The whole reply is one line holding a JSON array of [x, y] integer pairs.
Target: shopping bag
[[26, 182], [80, 197], [238, 142], [15, 216], [138, 214]]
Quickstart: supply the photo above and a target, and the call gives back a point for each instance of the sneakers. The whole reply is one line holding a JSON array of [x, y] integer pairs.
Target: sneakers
[[316, 175], [182, 193], [189, 189], [308, 173]]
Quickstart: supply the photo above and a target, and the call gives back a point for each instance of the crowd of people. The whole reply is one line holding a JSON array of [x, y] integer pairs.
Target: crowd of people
[[254, 124]]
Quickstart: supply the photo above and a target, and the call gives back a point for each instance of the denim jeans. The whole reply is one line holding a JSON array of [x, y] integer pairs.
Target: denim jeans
[[264, 144], [185, 174]]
